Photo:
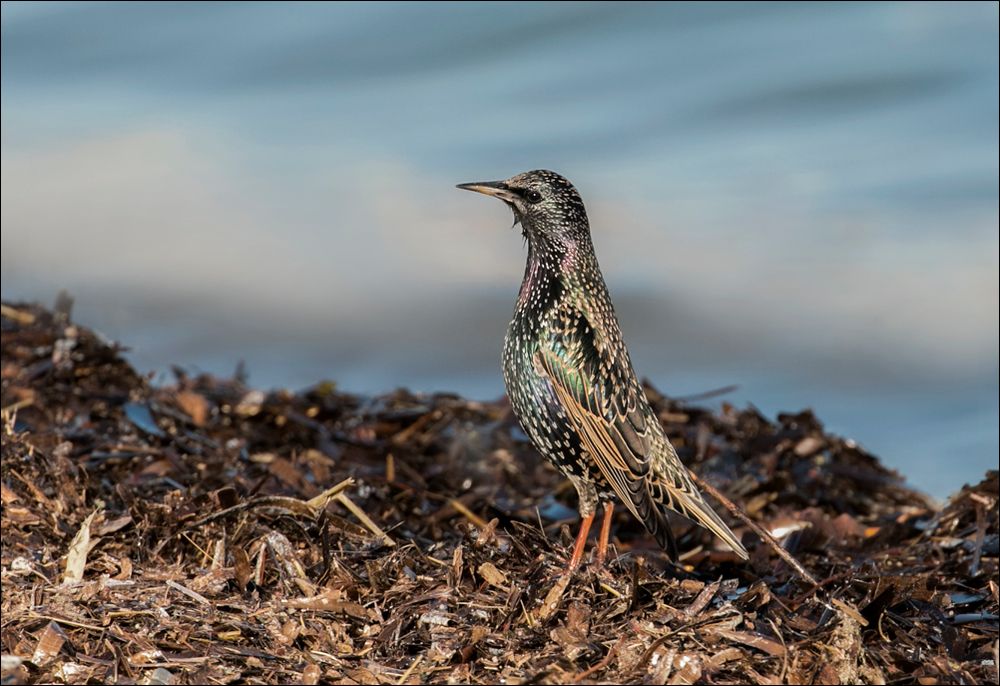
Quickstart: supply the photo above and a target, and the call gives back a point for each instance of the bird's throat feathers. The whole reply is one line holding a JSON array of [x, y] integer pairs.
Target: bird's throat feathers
[[547, 268], [541, 287]]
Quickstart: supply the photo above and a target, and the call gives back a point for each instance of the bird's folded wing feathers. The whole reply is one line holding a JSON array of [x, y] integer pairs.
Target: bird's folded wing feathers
[[619, 431]]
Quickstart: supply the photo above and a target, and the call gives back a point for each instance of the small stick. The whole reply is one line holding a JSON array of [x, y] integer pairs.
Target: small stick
[[409, 670], [390, 468], [15, 406], [980, 538], [738, 512], [319, 502], [188, 592], [69, 622], [299, 507], [467, 513], [784, 654], [365, 519], [704, 395], [602, 664]]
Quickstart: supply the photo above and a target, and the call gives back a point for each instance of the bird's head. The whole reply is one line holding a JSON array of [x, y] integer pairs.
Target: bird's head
[[546, 205]]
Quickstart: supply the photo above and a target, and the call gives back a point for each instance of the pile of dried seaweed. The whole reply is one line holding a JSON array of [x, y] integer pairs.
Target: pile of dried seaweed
[[207, 532]]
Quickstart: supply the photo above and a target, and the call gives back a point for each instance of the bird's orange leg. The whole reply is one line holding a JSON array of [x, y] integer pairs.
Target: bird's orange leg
[[581, 542], [602, 542]]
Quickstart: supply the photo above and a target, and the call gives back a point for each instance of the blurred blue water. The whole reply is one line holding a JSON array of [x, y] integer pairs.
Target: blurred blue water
[[801, 199]]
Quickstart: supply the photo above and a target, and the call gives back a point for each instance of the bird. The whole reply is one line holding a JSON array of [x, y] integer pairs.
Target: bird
[[570, 379]]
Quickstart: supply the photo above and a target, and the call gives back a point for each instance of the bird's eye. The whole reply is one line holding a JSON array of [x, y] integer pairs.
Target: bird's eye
[[533, 196]]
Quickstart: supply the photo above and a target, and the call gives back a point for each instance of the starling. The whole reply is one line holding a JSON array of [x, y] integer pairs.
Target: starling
[[570, 379]]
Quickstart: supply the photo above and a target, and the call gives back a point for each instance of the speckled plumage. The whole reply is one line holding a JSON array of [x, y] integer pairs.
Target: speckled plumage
[[569, 376]]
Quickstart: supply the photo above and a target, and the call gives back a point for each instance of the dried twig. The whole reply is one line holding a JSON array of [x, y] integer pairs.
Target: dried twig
[[319, 502], [467, 513], [364, 518], [188, 592], [605, 661], [738, 512]]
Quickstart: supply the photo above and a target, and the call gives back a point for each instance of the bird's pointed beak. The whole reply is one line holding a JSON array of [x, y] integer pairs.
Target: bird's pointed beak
[[498, 189]]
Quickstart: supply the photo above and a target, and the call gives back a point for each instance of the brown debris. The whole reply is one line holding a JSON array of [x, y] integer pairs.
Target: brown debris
[[209, 532]]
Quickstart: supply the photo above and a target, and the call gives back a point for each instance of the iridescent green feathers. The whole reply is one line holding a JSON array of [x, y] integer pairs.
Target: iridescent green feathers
[[608, 410]]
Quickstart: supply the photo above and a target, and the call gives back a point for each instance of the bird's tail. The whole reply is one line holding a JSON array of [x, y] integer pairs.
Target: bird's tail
[[672, 489], [650, 512]]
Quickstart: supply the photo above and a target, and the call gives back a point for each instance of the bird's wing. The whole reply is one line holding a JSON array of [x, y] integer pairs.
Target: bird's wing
[[595, 384]]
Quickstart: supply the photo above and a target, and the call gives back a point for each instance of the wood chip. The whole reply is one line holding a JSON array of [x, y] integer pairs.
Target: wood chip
[[757, 641], [849, 610], [195, 406], [50, 643], [79, 548], [492, 575], [553, 598], [702, 600], [311, 675]]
